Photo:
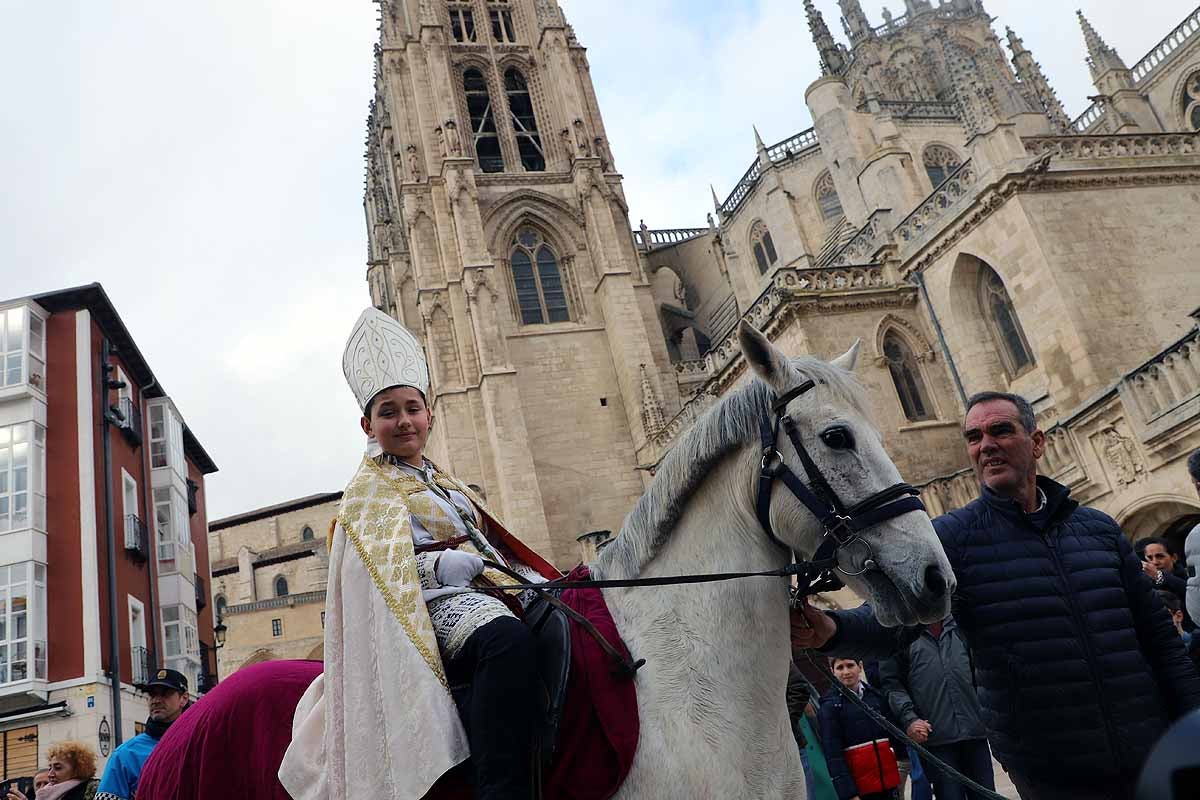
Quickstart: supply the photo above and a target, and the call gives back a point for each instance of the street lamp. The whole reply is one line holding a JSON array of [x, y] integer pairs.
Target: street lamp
[[219, 631]]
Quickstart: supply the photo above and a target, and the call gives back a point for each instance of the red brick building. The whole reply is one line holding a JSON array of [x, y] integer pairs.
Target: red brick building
[[103, 535]]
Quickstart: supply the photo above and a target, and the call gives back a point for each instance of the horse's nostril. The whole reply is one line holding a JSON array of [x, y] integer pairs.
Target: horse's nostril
[[935, 582]]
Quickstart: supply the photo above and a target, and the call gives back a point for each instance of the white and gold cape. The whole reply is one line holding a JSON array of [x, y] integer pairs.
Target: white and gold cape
[[380, 721]]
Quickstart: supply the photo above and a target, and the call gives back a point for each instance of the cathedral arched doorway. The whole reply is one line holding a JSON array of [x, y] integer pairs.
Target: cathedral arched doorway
[[1166, 516]]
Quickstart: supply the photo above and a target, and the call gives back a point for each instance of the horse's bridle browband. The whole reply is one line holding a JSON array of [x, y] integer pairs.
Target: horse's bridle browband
[[841, 524]]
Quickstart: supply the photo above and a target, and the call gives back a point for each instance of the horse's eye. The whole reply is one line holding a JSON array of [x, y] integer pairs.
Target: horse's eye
[[838, 438]]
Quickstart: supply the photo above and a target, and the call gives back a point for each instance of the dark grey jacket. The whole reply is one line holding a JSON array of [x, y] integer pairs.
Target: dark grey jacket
[[933, 680]]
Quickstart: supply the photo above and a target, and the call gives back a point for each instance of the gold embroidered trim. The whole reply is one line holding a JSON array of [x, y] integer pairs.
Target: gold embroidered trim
[[384, 543], [424, 509]]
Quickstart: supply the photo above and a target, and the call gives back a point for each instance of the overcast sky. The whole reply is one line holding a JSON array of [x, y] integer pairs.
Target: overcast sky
[[204, 162]]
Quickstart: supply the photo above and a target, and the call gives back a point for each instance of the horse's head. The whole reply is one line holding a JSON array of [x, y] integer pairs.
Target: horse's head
[[911, 579]]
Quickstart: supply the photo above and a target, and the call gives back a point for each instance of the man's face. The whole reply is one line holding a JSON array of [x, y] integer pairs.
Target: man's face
[[848, 671], [1002, 452], [41, 779], [166, 704], [400, 422], [1157, 555]]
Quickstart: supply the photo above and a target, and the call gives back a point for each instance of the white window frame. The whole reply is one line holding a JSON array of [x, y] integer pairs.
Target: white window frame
[[29, 470], [167, 446], [275, 635], [165, 549], [23, 348], [172, 623], [32, 644], [129, 492], [137, 637]]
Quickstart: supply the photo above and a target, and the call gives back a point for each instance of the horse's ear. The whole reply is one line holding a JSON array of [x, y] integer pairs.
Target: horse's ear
[[846, 360], [764, 358]]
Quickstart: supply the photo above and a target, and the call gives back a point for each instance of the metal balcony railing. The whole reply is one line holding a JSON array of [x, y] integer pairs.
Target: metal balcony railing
[[142, 665], [137, 538], [131, 420]]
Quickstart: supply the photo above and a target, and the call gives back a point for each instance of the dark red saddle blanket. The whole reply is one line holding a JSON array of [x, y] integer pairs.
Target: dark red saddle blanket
[[231, 742]]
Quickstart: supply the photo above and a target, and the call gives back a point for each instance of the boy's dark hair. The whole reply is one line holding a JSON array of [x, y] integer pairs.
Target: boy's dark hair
[[1170, 600], [1024, 409], [1193, 463]]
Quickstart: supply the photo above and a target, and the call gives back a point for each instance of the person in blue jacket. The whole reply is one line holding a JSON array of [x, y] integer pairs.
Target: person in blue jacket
[[168, 699]]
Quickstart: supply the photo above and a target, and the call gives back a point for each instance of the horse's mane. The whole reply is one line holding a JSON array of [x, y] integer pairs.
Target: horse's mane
[[731, 423]]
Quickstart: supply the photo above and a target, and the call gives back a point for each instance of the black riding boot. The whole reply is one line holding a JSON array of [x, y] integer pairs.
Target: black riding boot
[[500, 662]]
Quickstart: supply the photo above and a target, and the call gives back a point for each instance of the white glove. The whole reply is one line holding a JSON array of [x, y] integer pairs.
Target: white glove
[[457, 568]]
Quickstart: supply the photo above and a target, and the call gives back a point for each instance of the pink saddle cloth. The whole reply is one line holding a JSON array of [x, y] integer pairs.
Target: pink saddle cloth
[[230, 743]]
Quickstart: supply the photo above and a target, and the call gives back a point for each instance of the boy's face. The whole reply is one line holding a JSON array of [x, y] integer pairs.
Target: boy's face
[[400, 422], [848, 671]]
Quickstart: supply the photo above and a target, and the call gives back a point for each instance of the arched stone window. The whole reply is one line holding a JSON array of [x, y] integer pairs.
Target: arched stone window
[[520, 108], [827, 198], [537, 279], [281, 587], [483, 122], [997, 310], [940, 161], [221, 604], [763, 247], [906, 376], [306, 535], [1191, 102]]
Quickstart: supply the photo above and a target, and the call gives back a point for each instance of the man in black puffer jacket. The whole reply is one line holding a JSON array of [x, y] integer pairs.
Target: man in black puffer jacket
[[1078, 665]]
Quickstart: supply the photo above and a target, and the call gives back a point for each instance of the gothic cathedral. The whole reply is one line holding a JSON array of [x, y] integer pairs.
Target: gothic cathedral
[[944, 208]]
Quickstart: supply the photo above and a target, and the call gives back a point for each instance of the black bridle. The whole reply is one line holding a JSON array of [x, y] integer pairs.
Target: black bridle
[[842, 525]]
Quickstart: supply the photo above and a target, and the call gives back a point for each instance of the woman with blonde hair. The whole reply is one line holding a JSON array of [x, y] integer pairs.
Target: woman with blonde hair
[[72, 769]]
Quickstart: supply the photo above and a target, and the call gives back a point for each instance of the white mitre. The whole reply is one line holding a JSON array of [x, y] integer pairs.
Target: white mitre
[[382, 353]]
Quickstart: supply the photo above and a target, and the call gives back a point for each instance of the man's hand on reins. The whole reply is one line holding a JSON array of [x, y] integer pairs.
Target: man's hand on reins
[[815, 628]]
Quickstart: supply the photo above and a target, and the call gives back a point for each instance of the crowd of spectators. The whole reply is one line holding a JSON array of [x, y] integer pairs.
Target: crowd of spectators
[[1069, 651]]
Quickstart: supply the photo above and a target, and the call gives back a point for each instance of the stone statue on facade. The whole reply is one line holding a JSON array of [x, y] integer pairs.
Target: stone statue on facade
[[414, 164], [453, 143], [581, 139], [603, 153], [441, 140]]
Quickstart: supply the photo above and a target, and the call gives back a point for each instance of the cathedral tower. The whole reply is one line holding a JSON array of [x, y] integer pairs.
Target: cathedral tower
[[499, 233]]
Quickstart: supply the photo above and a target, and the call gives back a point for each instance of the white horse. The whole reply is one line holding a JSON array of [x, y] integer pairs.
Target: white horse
[[714, 722]]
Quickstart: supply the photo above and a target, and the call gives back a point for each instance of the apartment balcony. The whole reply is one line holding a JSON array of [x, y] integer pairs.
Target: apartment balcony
[[128, 419], [142, 666], [137, 538], [201, 593]]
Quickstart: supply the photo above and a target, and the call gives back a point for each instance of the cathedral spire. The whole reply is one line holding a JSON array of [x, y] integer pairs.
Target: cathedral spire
[[653, 418], [716, 202], [761, 148], [976, 104], [833, 61], [855, 21], [1101, 58], [1038, 85]]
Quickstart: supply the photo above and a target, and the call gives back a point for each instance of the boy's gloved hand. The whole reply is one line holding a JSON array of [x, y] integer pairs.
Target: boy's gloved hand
[[457, 568]]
